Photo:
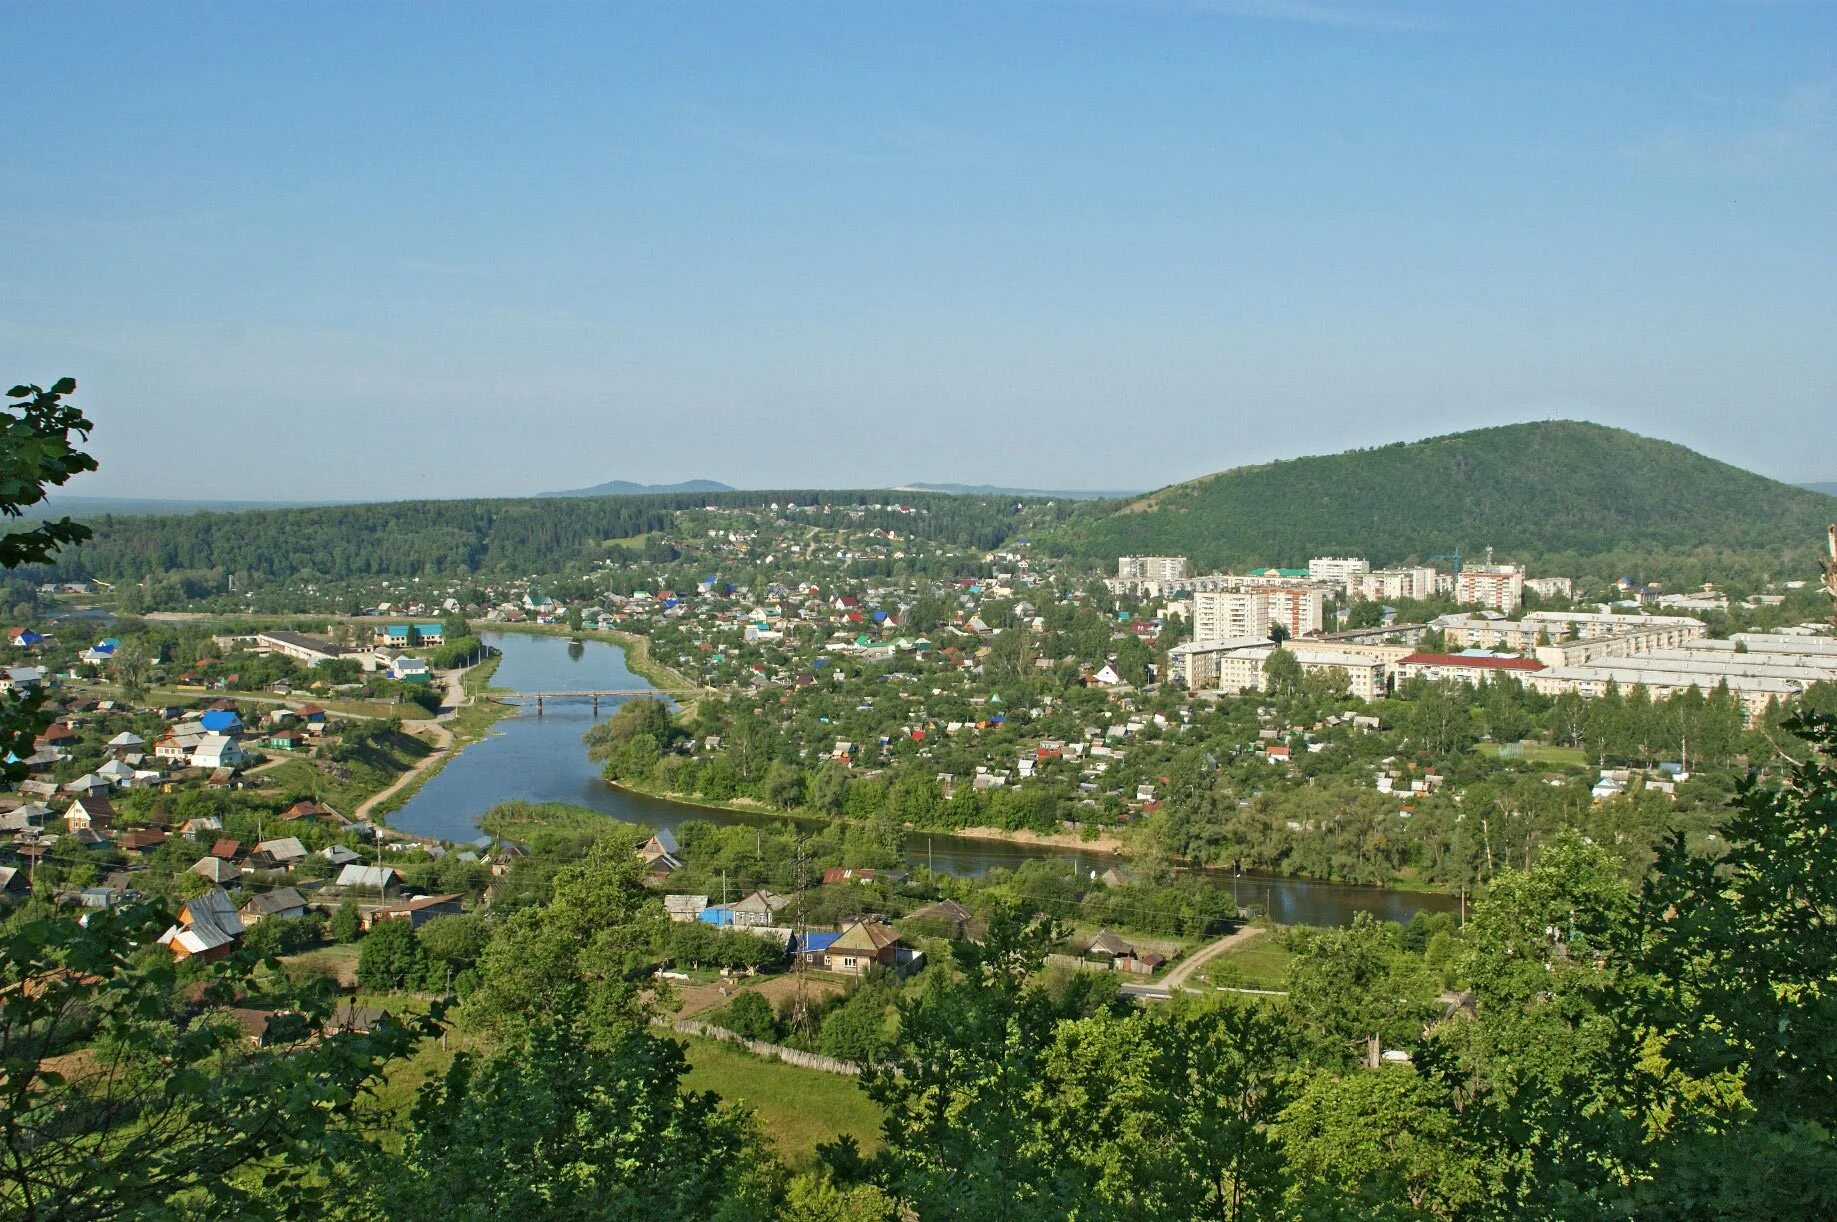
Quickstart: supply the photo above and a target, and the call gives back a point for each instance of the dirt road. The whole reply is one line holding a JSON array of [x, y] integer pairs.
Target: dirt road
[[1205, 954]]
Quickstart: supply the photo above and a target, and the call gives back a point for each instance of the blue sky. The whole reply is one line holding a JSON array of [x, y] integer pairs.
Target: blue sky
[[389, 250]]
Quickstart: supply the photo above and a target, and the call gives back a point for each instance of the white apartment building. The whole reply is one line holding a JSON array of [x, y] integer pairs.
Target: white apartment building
[[1221, 614], [1194, 665], [1389, 585], [1164, 570], [1498, 586], [1148, 576], [1243, 670], [1342, 571], [1551, 587]]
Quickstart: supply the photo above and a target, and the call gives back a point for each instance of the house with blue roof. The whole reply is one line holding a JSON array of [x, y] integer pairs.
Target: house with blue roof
[[221, 721], [812, 947]]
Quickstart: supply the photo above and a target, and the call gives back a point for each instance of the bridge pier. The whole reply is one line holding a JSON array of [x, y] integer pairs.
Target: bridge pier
[[538, 706], [596, 704]]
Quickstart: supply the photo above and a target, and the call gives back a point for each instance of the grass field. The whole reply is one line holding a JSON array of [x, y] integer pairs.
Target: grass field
[[798, 1108], [1545, 753], [1261, 963], [371, 771]]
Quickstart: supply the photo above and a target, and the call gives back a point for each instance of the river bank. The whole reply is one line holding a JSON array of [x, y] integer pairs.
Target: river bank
[[637, 648], [473, 714], [537, 757]]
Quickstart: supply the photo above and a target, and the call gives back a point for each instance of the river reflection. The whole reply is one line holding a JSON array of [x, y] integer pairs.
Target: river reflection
[[540, 758]]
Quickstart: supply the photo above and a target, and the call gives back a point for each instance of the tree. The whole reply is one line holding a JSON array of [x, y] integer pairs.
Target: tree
[[455, 941], [146, 1115], [566, 1124], [750, 1015], [1352, 986], [1737, 985], [346, 924], [783, 785], [36, 454], [1377, 1143], [389, 958], [1282, 673], [588, 951]]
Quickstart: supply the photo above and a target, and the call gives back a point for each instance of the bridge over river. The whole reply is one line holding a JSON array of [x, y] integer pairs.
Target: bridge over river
[[595, 695]]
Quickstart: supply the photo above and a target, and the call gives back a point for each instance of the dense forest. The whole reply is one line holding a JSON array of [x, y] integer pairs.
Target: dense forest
[[1564, 492], [462, 537]]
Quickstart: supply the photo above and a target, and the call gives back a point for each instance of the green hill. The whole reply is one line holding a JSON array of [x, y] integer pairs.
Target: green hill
[[1582, 494]]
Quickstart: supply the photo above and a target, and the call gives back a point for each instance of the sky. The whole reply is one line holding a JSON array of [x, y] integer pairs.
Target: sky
[[388, 250]]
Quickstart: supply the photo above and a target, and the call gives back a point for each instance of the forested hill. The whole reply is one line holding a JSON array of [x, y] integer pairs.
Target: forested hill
[[468, 537], [1559, 488]]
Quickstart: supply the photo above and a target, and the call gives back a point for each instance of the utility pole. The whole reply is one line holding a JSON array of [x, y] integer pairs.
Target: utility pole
[[1830, 570], [799, 952]]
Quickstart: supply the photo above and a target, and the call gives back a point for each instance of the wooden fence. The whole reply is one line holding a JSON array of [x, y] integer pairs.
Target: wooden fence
[[790, 1056]]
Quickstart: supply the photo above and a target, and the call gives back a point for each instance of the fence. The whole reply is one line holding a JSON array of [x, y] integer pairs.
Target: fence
[[790, 1056]]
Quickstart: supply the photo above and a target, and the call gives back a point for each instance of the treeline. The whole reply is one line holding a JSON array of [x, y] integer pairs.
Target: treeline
[[462, 537]]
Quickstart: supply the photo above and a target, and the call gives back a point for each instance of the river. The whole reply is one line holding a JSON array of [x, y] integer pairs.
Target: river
[[540, 758]]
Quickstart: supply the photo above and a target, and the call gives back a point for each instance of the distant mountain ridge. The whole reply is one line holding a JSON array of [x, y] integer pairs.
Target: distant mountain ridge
[[1558, 489], [624, 487], [1062, 494], [1828, 488]]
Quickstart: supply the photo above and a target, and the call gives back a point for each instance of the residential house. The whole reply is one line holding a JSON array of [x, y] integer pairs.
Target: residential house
[[759, 908], [89, 785], [420, 910], [684, 908], [90, 814], [282, 853], [1122, 956], [25, 818], [208, 928], [20, 678], [141, 840], [866, 945], [216, 869], [281, 902], [952, 919], [216, 751], [382, 880], [221, 721]]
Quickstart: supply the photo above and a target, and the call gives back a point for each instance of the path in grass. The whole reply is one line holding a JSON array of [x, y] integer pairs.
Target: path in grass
[[797, 1108]]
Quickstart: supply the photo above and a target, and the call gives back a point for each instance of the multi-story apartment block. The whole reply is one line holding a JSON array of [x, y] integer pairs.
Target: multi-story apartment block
[[1299, 609], [1387, 585], [1149, 576], [1342, 571], [1167, 570], [1497, 586], [1221, 614], [1561, 588]]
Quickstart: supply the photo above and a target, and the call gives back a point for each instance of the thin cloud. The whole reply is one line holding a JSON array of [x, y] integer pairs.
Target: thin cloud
[[1801, 134]]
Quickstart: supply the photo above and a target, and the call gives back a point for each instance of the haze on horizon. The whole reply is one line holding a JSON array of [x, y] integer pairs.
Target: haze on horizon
[[373, 252]]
